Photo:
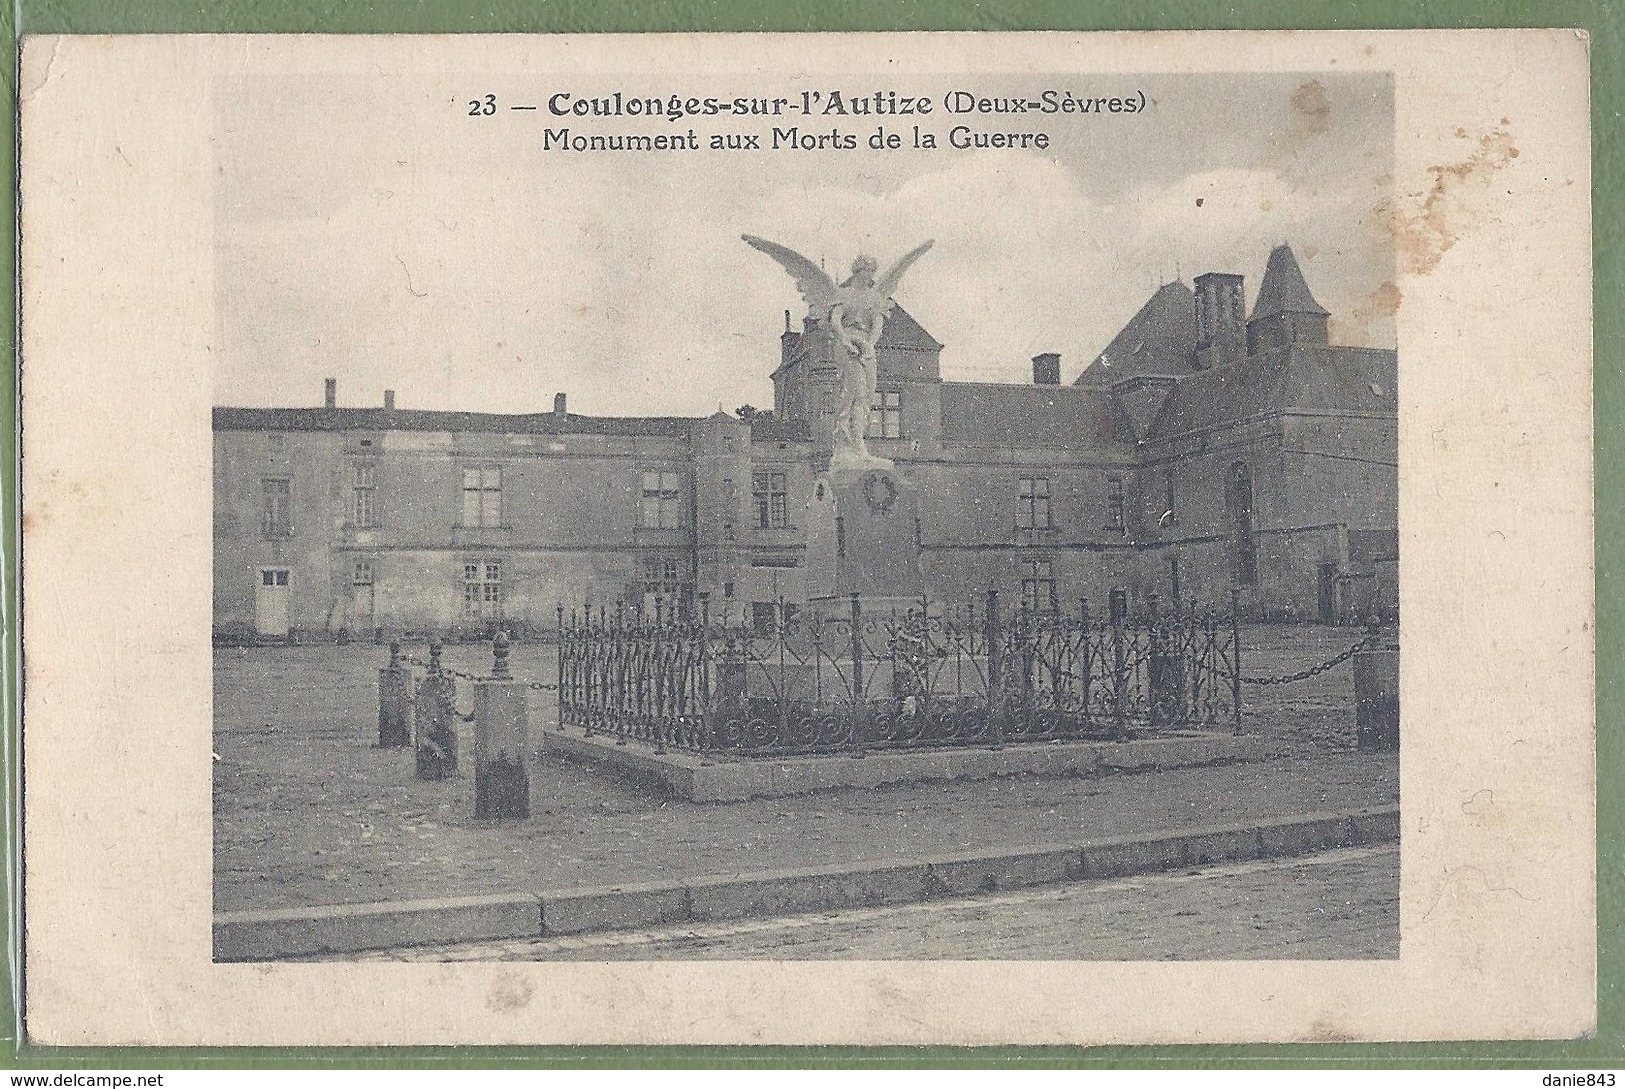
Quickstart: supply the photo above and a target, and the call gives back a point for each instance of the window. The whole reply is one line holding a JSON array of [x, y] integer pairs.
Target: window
[[764, 617], [666, 589], [661, 508], [482, 497], [1239, 500], [886, 415], [276, 442], [1037, 586], [361, 573], [273, 578], [1034, 513], [366, 495], [276, 510], [482, 590], [662, 576], [770, 502], [1114, 503]]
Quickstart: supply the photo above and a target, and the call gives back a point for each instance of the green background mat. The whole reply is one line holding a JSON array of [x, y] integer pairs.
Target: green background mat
[[1605, 21]]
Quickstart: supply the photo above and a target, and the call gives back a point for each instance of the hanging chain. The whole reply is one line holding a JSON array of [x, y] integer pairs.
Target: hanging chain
[[1369, 642], [460, 675]]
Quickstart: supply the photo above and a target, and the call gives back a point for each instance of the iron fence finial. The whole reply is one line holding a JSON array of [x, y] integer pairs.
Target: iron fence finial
[[499, 650]]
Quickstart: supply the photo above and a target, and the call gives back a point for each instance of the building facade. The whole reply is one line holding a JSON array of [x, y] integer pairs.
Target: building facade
[[1203, 450]]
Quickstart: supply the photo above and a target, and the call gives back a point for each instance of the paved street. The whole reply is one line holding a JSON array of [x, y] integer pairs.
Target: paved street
[[307, 811], [1336, 905]]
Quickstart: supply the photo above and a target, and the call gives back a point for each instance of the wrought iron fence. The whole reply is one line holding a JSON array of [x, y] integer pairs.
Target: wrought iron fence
[[920, 677]]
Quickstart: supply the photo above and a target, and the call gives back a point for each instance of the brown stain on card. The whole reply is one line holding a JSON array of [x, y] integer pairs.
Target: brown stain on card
[[1310, 107], [1326, 1032], [1381, 303], [510, 992], [1310, 113], [1424, 232]]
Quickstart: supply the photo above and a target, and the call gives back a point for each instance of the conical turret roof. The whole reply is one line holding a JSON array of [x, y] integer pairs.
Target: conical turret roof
[[1284, 290]]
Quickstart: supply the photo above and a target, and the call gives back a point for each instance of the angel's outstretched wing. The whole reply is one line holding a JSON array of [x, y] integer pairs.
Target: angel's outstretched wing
[[888, 283], [813, 283]]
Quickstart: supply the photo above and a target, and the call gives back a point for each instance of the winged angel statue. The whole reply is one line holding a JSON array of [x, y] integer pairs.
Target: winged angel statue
[[856, 311]]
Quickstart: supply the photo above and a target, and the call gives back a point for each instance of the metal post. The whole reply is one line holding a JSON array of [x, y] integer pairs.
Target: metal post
[[558, 673], [617, 691], [1154, 663], [1119, 729], [499, 652], [594, 664], [1235, 655], [1087, 644], [995, 669], [858, 705], [661, 709], [781, 633]]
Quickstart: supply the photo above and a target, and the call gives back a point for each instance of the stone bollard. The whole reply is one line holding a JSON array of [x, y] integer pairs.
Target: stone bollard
[[393, 697], [501, 743], [1376, 698], [437, 734]]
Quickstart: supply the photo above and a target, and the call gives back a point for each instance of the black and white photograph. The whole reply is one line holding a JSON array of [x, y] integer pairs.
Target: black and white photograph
[[802, 520], [829, 539]]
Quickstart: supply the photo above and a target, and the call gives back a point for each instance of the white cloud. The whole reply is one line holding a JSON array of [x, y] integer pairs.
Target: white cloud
[[487, 283]]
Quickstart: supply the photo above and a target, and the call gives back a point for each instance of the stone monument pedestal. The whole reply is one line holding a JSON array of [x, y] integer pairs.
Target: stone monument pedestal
[[863, 539]]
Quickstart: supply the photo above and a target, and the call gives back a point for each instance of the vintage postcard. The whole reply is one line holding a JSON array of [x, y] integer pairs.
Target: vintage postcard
[[970, 539]]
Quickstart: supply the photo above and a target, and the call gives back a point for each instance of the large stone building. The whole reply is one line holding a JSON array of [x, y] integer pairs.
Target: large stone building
[[1202, 450]]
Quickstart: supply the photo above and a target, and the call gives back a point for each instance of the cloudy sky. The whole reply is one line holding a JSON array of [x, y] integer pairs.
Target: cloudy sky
[[368, 229]]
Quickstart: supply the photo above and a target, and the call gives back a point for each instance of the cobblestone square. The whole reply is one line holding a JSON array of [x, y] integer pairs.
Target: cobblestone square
[[307, 811]]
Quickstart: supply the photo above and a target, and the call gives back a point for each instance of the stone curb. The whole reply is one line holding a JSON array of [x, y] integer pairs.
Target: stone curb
[[352, 928], [697, 778]]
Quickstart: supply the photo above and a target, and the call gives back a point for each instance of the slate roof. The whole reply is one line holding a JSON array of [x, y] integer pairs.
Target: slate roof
[[771, 427], [899, 333], [1159, 340], [1224, 394], [385, 419], [1284, 290], [1338, 379], [996, 414], [1301, 378], [903, 332]]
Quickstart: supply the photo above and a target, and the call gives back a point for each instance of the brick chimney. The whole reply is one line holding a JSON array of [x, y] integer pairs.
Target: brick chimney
[[558, 406], [1047, 369], [1221, 319], [332, 398], [389, 399]]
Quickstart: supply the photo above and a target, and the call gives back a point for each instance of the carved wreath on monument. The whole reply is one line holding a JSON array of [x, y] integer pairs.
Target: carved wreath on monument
[[879, 491]]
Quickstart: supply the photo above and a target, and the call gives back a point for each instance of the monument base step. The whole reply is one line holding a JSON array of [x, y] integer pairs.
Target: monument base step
[[719, 778]]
